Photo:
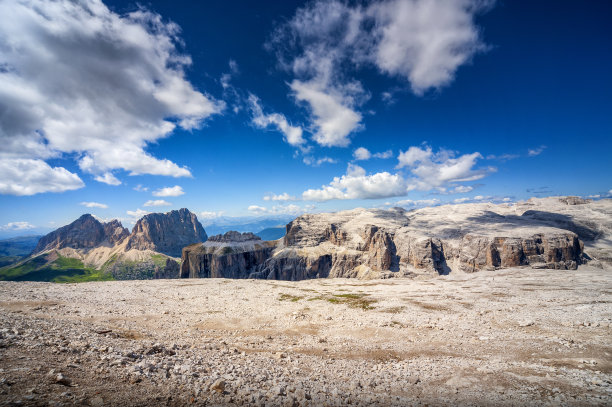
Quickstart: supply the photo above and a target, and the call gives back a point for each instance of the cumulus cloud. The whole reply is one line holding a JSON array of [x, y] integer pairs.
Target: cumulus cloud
[[421, 41], [94, 205], [462, 189], [111, 85], [140, 188], [362, 153], [435, 170], [176, 190], [257, 209], [532, 152], [25, 176], [281, 197], [292, 134], [355, 184], [17, 226], [107, 178], [332, 110], [157, 202]]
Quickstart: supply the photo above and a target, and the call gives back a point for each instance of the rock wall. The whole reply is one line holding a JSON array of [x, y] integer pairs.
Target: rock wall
[[224, 261], [167, 232]]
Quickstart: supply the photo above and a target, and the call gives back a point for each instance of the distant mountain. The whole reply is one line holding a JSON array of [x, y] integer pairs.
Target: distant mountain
[[245, 224], [272, 233], [88, 250], [14, 249], [18, 246]]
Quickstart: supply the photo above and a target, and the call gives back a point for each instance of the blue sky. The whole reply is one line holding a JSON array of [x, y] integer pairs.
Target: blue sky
[[236, 108]]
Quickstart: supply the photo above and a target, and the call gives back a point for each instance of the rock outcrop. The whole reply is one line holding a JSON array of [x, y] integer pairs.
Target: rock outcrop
[[166, 233], [551, 233], [233, 236], [215, 259], [84, 233]]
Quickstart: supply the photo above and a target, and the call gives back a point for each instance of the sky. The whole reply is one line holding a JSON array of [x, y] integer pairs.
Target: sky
[[241, 108]]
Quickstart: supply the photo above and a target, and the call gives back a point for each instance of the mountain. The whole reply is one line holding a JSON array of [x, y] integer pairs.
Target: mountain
[[88, 249], [166, 233], [272, 233], [18, 246], [14, 249], [552, 233], [84, 233]]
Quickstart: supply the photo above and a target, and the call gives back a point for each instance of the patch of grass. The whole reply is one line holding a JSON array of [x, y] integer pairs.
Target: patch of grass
[[289, 297], [350, 300], [394, 310], [159, 260], [60, 270]]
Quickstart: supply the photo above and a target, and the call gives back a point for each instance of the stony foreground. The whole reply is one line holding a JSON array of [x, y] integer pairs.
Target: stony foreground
[[512, 337]]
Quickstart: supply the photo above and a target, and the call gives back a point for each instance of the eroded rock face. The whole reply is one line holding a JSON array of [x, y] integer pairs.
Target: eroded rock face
[[219, 260], [84, 233], [167, 232], [233, 236], [544, 233]]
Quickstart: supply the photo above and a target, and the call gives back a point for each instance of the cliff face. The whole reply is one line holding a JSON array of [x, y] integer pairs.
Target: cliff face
[[225, 259], [167, 232], [84, 233]]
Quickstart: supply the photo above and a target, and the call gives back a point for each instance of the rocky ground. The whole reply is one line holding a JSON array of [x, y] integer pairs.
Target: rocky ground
[[511, 337]]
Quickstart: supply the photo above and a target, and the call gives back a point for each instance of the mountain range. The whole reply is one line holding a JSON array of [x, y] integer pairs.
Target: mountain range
[[551, 233]]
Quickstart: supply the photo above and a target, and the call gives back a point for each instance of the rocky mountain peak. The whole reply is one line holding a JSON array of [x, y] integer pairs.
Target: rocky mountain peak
[[233, 236], [166, 232], [84, 233]]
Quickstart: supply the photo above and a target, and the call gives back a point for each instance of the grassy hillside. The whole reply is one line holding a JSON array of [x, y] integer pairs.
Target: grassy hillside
[[49, 267]]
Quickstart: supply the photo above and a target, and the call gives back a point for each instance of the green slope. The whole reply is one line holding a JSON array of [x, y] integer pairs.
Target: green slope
[[58, 270]]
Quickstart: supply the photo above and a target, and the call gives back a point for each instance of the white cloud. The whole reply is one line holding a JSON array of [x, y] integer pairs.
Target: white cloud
[[293, 134], [437, 170], [17, 226], [425, 41], [462, 189], [138, 213], [94, 205], [140, 188], [384, 155], [257, 209], [169, 191], [461, 200], [355, 184], [532, 152], [422, 41], [21, 176], [332, 110], [282, 197], [290, 209], [157, 202], [362, 153], [211, 214], [107, 178], [506, 199], [316, 162], [111, 85]]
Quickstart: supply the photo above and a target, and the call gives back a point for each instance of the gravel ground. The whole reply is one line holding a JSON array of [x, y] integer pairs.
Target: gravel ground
[[512, 337]]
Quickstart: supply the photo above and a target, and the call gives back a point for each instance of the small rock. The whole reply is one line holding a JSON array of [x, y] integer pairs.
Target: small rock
[[526, 323], [218, 386], [96, 402], [61, 379]]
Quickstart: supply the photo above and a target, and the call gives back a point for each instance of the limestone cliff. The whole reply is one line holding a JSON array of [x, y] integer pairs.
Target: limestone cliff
[[539, 233], [167, 232]]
